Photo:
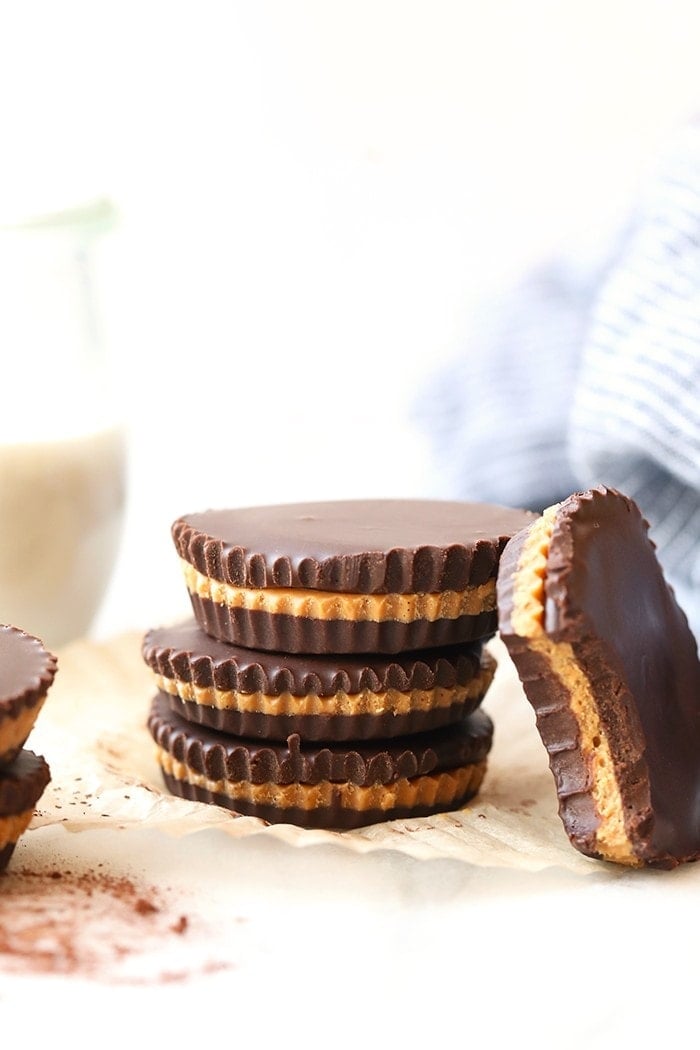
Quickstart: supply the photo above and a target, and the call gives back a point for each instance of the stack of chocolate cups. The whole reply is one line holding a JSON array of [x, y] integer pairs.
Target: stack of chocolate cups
[[27, 672], [333, 672]]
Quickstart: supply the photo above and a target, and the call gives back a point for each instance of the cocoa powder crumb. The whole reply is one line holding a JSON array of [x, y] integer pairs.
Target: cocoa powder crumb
[[181, 925]]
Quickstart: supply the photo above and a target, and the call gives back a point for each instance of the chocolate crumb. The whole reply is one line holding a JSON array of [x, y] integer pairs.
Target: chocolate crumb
[[144, 907], [181, 925]]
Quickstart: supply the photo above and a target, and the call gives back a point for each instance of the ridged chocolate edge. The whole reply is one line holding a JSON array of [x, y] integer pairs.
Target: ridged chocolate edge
[[222, 757], [22, 783], [37, 686], [204, 665], [550, 700], [401, 570], [321, 728], [256, 629], [559, 732], [339, 818], [507, 581], [562, 617]]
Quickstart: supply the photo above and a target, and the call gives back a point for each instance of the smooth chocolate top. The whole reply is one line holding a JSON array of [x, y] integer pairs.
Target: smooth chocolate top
[[605, 594], [186, 653], [352, 546], [22, 783], [222, 757], [26, 670]]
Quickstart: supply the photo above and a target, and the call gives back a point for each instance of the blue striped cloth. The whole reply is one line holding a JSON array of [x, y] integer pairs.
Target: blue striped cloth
[[591, 374]]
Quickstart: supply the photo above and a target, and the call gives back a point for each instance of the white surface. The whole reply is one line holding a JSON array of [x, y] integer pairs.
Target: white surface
[[317, 943], [327, 948]]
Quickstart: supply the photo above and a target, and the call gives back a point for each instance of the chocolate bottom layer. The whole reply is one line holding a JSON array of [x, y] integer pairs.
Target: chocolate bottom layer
[[279, 632], [333, 817]]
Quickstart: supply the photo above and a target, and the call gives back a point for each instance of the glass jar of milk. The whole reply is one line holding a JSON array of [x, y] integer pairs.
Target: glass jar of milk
[[62, 450]]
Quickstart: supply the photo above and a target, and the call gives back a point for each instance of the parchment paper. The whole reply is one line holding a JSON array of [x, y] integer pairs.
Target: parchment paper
[[92, 732]]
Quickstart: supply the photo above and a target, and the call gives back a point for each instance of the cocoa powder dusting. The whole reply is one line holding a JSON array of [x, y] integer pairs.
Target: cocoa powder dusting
[[80, 922]]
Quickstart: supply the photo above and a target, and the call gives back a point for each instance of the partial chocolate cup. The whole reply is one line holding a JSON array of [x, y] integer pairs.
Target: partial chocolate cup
[[611, 668], [27, 671], [340, 786], [21, 786], [343, 697], [347, 576]]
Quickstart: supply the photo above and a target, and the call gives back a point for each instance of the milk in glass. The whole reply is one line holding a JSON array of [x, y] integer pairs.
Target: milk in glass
[[62, 450]]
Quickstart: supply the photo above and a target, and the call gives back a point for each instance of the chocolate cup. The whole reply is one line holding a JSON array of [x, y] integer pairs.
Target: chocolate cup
[[605, 597], [218, 756], [460, 751], [21, 786], [351, 546], [184, 659], [357, 547], [186, 653]]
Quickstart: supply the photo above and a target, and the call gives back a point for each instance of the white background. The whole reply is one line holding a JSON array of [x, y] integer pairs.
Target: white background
[[312, 197]]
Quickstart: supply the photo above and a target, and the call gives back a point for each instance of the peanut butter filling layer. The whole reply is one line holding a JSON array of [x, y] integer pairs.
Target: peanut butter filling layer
[[12, 827], [331, 605], [391, 701], [439, 789], [14, 731], [527, 619]]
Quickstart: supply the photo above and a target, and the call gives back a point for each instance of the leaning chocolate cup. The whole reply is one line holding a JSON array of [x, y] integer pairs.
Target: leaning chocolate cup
[[267, 695], [334, 786], [611, 668], [27, 671], [354, 576]]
